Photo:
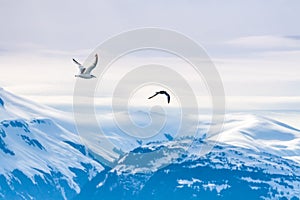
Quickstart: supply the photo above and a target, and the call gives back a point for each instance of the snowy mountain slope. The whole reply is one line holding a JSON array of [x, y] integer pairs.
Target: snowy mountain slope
[[253, 131], [39, 157], [255, 157], [227, 172], [262, 134], [17, 107]]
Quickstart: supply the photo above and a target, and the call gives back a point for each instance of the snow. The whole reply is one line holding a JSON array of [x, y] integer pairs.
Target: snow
[[188, 183], [205, 185], [37, 135], [276, 186], [44, 140], [262, 134], [218, 188], [102, 182]]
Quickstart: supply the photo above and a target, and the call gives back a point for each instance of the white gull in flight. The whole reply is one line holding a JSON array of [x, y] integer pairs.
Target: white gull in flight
[[85, 72]]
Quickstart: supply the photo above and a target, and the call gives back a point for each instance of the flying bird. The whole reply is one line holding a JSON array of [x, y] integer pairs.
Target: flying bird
[[85, 72], [161, 92]]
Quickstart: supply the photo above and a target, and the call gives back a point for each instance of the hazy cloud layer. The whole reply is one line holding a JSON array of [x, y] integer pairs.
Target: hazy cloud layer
[[254, 44]]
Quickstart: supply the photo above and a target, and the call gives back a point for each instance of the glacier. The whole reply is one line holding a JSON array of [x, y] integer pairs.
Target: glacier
[[256, 156]]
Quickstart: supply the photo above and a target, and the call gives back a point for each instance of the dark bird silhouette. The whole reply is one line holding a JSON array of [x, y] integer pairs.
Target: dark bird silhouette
[[161, 92]]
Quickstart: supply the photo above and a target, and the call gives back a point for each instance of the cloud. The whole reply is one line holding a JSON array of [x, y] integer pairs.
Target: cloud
[[263, 103], [38, 40], [266, 42], [51, 73], [233, 103], [294, 37]]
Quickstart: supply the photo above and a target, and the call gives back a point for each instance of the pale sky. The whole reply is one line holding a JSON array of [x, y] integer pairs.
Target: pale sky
[[254, 44]]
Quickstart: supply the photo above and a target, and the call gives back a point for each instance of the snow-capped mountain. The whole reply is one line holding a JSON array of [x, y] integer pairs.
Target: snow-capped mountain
[[256, 156], [263, 134], [227, 172], [40, 154]]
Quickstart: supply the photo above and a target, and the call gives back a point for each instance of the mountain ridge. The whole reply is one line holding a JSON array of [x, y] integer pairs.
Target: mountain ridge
[[42, 156], [37, 152]]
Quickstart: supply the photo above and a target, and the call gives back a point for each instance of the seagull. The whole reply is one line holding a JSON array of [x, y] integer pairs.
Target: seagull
[[85, 72], [161, 92]]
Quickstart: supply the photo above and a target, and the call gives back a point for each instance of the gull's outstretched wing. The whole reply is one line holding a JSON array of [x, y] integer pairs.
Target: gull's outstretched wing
[[75, 61], [169, 98], [81, 68], [89, 69], [153, 95]]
